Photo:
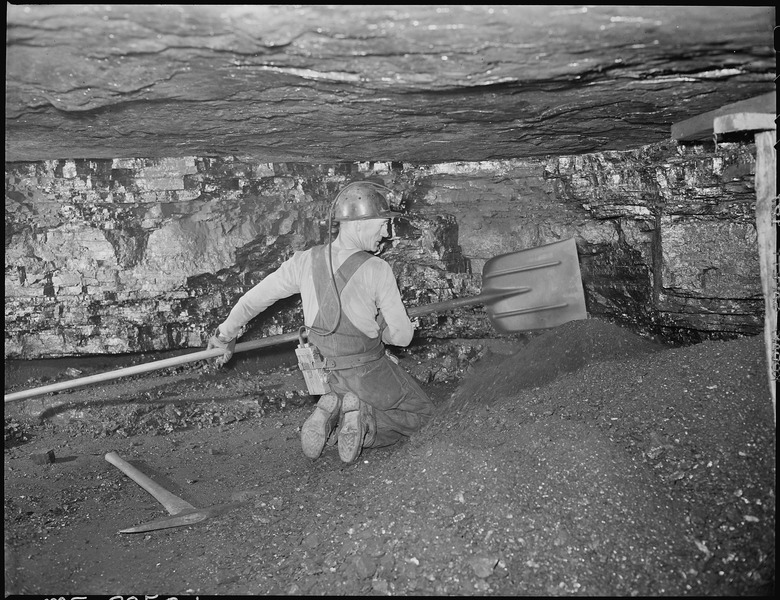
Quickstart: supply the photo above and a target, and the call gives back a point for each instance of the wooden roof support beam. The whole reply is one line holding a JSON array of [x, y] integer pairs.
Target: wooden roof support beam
[[744, 121], [701, 126]]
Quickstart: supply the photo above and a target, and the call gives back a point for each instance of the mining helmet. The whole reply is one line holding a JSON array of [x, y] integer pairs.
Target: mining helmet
[[362, 200]]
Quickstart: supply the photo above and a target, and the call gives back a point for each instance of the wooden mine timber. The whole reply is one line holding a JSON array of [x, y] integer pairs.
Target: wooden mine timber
[[702, 126], [756, 115]]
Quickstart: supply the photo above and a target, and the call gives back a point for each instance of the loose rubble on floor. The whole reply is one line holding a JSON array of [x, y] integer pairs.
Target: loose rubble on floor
[[583, 460]]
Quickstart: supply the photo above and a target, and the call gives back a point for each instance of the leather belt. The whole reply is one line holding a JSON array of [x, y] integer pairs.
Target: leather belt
[[339, 363]]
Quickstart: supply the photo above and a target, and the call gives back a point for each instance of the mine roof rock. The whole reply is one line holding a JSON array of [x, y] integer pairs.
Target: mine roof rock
[[414, 83]]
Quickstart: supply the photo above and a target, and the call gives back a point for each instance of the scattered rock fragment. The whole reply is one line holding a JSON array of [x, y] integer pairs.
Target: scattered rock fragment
[[364, 567], [45, 457], [483, 565]]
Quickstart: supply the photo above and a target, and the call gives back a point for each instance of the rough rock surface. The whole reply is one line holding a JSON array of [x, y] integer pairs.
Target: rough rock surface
[[325, 83], [138, 255], [589, 462]]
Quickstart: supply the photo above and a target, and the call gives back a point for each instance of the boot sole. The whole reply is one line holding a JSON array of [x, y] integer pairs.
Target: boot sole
[[351, 432], [316, 429]]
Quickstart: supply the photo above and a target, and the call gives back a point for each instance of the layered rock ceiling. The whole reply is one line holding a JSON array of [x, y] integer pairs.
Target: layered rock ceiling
[[161, 159], [423, 84]]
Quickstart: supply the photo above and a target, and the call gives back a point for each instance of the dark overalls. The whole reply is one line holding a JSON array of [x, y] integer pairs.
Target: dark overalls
[[358, 364]]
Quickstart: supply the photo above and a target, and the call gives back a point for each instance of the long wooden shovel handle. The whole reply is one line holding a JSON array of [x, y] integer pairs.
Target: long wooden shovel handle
[[274, 340], [151, 366], [483, 298], [172, 503]]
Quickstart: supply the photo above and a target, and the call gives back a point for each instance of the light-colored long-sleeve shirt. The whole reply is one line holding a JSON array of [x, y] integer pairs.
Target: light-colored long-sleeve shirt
[[372, 288]]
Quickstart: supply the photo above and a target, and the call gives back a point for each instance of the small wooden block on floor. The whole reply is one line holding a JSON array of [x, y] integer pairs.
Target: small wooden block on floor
[[45, 457]]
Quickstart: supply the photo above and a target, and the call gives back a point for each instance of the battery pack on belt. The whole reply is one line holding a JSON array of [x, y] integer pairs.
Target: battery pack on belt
[[312, 365], [315, 368]]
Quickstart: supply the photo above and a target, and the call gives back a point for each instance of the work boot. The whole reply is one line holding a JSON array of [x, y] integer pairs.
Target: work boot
[[320, 424], [352, 429], [369, 424]]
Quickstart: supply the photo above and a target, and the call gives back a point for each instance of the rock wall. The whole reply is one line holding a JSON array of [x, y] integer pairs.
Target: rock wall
[[666, 234], [129, 255], [683, 257]]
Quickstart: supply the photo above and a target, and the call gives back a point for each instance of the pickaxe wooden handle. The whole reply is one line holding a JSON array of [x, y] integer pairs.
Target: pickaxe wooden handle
[[172, 503]]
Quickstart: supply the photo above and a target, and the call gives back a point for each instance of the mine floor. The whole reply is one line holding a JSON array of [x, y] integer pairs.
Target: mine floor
[[581, 461]]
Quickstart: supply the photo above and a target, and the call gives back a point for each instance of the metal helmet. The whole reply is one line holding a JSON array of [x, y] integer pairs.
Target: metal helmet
[[361, 200]]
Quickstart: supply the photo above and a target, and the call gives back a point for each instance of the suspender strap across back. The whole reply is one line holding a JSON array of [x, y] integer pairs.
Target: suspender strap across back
[[347, 346]]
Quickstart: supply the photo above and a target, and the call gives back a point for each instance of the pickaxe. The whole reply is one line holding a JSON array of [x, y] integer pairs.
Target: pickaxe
[[182, 512]]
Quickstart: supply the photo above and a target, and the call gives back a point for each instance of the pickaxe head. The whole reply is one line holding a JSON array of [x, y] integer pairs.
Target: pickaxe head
[[185, 517]]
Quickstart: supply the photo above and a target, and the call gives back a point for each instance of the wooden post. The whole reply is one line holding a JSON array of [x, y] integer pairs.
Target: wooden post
[[754, 114], [766, 220], [766, 226]]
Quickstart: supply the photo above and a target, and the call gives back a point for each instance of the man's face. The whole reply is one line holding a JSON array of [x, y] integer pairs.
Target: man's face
[[372, 232]]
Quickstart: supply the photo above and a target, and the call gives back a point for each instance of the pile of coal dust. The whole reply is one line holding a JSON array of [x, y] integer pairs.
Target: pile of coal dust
[[565, 349], [591, 462]]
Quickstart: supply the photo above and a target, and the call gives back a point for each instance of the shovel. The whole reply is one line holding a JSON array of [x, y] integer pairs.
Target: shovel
[[182, 512], [537, 288]]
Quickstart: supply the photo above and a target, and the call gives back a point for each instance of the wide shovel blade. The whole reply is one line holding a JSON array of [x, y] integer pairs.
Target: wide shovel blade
[[550, 278]]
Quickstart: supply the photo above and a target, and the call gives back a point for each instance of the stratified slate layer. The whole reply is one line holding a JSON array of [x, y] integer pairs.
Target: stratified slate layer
[[422, 84], [116, 256]]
